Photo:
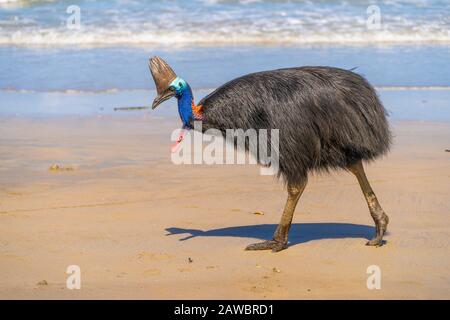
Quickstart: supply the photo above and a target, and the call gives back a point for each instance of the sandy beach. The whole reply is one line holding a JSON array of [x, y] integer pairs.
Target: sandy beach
[[141, 227]]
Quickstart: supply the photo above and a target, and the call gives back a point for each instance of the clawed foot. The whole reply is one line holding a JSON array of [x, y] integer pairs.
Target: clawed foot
[[273, 245], [381, 228], [376, 242]]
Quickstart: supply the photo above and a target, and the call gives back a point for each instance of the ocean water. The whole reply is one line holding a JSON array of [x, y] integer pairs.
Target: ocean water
[[46, 64], [210, 22], [125, 68]]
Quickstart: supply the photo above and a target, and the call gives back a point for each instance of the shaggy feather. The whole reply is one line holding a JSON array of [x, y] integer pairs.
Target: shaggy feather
[[328, 118]]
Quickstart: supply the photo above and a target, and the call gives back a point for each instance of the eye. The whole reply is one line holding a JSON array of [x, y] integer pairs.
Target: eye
[[180, 84]]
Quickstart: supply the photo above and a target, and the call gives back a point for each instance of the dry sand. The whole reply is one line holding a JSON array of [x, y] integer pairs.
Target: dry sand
[[140, 227]]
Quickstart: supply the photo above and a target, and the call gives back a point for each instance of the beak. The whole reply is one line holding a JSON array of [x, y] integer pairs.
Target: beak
[[166, 95]]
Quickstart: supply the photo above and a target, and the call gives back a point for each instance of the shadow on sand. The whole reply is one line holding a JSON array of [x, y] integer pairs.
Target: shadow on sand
[[299, 233]]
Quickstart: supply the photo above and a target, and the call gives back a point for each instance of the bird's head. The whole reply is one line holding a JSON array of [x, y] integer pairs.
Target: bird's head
[[168, 84]]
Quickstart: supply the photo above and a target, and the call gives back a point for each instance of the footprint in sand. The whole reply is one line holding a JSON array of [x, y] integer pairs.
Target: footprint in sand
[[60, 168], [144, 255]]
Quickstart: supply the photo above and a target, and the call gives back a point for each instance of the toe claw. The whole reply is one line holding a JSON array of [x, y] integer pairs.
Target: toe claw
[[375, 242], [265, 245], [273, 245], [279, 247]]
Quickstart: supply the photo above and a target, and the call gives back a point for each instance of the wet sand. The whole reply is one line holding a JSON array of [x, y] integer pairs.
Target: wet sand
[[141, 227]]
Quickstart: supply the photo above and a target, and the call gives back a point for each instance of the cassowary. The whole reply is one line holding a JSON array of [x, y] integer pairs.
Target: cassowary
[[328, 118]]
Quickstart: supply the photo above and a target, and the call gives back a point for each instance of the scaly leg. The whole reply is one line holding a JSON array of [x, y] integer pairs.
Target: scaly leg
[[280, 237], [379, 217]]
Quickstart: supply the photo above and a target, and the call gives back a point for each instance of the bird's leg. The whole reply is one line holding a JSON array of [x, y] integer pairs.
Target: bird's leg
[[379, 217], [280, 237]]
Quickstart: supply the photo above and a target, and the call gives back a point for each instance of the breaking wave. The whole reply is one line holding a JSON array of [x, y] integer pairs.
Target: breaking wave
[[208, 22]]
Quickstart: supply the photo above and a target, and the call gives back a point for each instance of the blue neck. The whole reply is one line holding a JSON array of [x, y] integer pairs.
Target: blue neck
[[185, 98]]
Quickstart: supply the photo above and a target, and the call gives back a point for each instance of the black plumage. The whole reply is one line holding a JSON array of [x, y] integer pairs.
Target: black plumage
[[328, 118]]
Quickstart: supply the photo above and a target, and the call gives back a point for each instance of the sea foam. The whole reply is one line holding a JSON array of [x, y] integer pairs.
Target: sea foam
[[207, 22]]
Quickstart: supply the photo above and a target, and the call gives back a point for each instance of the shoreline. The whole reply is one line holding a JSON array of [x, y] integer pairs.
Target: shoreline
[[426, 104]]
